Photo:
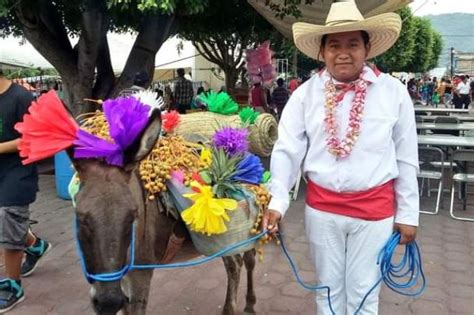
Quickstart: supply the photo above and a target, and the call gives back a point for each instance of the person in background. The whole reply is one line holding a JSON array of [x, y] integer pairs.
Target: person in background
[[471, 86], [140, 81], [183, 92], [431, 88], [169, 100], [160, 99], [197, 103], [412, 89], [441, 90], [293, 85], [258, 98], [462, 92], [280, 96], [448, 93], [352, 129], [18, 187]]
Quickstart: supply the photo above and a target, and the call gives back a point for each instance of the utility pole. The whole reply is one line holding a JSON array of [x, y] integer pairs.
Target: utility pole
[[452, 60]]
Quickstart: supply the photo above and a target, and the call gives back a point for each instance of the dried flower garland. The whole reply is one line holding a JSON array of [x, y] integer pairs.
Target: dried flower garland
[[343, 148]]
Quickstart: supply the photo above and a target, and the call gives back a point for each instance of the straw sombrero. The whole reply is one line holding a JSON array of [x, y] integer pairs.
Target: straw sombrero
[[383, 29]]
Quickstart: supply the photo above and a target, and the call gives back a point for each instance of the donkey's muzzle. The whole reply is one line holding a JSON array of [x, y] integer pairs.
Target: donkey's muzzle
[[108, 302]]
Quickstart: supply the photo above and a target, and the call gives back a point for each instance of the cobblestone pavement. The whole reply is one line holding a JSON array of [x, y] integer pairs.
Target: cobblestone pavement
[[58, 287]]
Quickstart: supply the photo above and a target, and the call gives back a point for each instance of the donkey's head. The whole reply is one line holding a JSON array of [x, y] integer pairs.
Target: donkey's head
[[106, 211]]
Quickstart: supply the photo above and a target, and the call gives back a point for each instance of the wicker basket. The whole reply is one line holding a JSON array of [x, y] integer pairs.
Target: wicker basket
[[241, 222], [263, 133], [239, 227]]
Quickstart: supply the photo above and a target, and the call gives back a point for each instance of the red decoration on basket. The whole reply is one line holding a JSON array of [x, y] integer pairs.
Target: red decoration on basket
[[46, 130], [170, 121]]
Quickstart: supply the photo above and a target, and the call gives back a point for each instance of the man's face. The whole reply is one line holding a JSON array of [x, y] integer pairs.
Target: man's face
[[344, 55]]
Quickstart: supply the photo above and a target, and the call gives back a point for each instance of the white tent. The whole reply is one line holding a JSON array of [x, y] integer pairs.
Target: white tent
[[18, 51]]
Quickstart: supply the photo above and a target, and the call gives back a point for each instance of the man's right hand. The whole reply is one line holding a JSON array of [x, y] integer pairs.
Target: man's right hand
[[271, 219]]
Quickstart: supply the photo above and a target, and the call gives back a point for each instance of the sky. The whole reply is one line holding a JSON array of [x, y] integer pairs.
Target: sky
[[425, 7]]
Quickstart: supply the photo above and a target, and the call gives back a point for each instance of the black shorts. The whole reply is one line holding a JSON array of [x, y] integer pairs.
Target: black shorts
[[14, 225]]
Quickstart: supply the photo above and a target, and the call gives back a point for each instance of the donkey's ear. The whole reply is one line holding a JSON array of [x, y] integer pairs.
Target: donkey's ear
[[145, 142]]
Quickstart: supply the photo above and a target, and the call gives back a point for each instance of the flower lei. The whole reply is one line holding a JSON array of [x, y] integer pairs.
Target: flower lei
[[342, 148]]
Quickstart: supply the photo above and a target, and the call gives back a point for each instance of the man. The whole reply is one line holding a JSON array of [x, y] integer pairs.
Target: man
[[355, 130], [258, 98], [139, 83], [462, 92], [471, 86], [293, 85], [280, 96], [18, 187], [183, 92]]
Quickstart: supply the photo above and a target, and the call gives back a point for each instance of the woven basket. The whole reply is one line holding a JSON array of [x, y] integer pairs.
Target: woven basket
[[239, 227], [263, 133], [241, 222]]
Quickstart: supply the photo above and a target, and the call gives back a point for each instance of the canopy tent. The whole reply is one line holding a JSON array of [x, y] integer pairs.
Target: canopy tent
[[19, 52], [317, 12]]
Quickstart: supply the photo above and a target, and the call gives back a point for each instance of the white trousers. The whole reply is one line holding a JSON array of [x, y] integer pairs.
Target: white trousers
[[345, 251]]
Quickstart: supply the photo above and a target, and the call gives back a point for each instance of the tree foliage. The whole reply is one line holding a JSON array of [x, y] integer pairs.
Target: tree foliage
[[437, 48], [417, 49], [223, 31], [399, 56], [86, 67]]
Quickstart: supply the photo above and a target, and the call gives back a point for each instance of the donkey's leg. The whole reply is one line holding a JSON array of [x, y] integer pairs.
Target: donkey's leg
[[136, 286], [233, 265], [250, 298]]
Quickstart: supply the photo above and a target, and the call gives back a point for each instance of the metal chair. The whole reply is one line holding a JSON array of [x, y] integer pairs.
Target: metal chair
[[426, 156], [446, 120], [463, 157]]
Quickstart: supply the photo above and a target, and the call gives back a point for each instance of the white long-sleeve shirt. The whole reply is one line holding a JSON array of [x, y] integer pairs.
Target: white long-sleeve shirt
[[386, 148]]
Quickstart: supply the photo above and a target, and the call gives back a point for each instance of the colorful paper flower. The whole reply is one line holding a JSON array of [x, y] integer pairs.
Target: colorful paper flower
[[207, 215], [249, 170], [170, 121], [248, 115], [149, 98], [46, 129], [206, 157], [89, 146], [178, 176], [126, 117], [232, 140]]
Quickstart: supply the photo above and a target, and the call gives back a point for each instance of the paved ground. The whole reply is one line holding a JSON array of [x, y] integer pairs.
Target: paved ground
[[58, 286]]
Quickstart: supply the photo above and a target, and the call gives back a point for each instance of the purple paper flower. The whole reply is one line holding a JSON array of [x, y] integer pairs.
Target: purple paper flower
[[127, 117], [249, 170], [89, 146], [232, 140]]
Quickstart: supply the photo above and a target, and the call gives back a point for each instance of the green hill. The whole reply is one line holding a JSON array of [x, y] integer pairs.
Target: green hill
[[457, 30]]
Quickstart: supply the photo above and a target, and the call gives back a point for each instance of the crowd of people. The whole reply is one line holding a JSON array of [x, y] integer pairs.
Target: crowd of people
[[457, 92]]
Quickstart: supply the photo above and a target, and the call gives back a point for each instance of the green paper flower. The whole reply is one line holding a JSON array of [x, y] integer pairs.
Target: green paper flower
[[248, 115]]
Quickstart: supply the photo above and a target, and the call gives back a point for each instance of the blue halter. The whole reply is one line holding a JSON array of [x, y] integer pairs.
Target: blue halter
[[118, 275]]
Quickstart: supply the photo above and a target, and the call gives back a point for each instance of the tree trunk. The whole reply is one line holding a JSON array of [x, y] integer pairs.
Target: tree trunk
[[90, 61], [295, 63], [231, 76], [154, 31]]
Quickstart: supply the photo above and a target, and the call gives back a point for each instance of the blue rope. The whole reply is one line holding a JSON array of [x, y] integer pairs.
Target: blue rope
[[410, 266], [117, 275]]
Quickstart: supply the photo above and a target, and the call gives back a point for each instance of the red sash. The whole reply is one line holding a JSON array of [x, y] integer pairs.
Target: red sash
[[373, 204]]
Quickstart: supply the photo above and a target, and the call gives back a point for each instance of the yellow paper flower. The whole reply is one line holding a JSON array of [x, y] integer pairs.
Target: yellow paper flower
[[207, 214], [206, 156]]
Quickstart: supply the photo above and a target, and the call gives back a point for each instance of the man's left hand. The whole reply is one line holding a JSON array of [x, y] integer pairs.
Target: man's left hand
[[407, 232]]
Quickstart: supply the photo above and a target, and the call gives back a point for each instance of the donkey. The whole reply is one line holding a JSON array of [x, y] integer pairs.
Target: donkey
[[111, 200]]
